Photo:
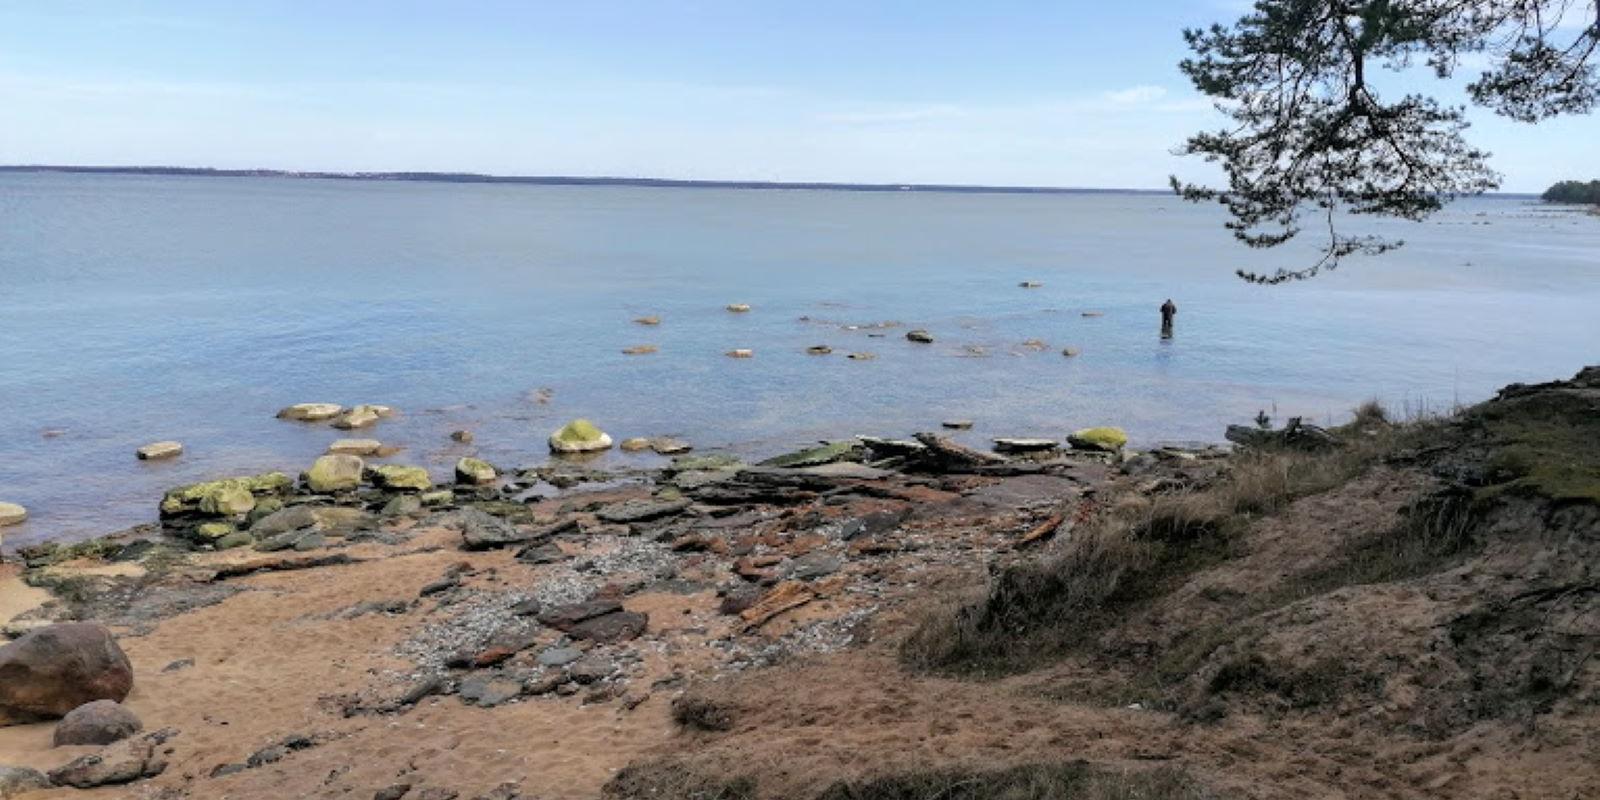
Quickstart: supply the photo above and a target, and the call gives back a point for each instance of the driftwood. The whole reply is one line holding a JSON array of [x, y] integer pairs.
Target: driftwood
[[1297, 435]]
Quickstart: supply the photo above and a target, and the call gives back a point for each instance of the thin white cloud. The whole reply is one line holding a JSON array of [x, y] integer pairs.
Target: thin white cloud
[[890, 116], [1136, 95]]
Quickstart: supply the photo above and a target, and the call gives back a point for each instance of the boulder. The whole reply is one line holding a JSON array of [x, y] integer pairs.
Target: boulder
[[225, 497], [356, 447], [474, 471], [16, 781], [1102, 439], [159, 450], [97, 722], [399, 478], [579, 436], [12, 514], [124, 762], [311, 412], [705, 462], [334, 473], [53, 670], [920, 336], [637, 444]]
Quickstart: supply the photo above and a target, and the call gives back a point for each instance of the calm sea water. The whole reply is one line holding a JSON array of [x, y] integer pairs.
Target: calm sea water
[[134, 309]]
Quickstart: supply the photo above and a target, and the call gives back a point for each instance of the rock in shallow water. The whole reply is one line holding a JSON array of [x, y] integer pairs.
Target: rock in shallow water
[[224, 497], [473, 471], [311, 412], [12, 514], [396, 477], [55, 669], [1103, 439], [920, 336], [356, 447], [97, 722], [579, 436], [156, 451]]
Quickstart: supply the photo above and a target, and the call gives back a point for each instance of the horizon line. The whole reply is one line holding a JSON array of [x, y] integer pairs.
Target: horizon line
[[431, 176]]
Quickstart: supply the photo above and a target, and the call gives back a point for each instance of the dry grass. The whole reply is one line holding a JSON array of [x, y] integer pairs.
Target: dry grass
[[701, 713], [1036, 612]]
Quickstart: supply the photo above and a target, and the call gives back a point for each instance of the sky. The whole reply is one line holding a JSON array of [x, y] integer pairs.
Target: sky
[[1001, 92]]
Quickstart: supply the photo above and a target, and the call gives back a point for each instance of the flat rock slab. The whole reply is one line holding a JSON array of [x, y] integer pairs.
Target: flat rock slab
[[1026, 490], [564, 617], [641, 510], [481, 530], [847, 469], [156, 451], [356, 447], [619, 626], [488, 691]]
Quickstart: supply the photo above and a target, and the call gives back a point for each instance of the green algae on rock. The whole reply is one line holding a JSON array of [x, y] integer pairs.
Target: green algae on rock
[[396, 477], [334, 473], [475, 471], [579, 436], [224, 497], [1103, 439]]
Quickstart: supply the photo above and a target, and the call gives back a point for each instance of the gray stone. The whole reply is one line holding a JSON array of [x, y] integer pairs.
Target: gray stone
[[159, 450], [641, 510], [560, 656], [482, 531], [402, 505], [356, 447], [15, 781], [488, 691], [123, 762], [920, 336], [311, 412], [591, 668], [815, 565], [97, 722]]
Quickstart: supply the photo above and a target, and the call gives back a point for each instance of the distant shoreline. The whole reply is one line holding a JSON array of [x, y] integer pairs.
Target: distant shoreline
[[563, 180]]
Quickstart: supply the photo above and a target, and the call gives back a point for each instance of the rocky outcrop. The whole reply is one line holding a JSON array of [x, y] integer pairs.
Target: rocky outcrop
[[97, 722], [334, 473], [53, 670], [579, 436], [225, 497]]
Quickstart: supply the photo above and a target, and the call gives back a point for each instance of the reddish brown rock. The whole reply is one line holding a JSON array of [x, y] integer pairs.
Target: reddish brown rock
[[55, 669], [99, 722]]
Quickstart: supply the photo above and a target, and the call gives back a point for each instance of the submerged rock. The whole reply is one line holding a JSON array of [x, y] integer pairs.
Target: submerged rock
[[637, 444], [741, 352], [668, 446], [12, 514], [1030, 284], [53, 670], [396, 477], [1102, 439], [362, 416], [579, 436], [474, 471], [652, 320], [920, 336], [156, 451], [334, 473], [640, 350], [861, 356], [957, 424], [739, 308], [1070, 352], [819, 350], [311, 412], [97, 722]]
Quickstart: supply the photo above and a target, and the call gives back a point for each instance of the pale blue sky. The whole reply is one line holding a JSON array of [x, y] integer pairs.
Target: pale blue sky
[[1000, 92]]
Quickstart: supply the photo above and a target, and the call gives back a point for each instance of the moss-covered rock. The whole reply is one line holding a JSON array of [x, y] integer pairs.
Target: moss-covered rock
[[213, 531], [334, 473], [442, 497], [395, 477], [225, 497], [235, 539], [1102, 439], [579, 436], [817, 456], [474, 471], [705, 462]]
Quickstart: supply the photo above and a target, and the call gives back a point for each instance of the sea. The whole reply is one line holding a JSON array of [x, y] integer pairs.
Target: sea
[[137, 308]]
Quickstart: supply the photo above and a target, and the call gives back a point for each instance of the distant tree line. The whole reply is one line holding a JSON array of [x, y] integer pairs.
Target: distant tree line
[[1574, 192]]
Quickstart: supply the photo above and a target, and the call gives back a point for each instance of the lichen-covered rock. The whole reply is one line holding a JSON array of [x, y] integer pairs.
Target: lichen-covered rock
[[52, 670], [16, 781], [356, 447], [212, 531], [395, 477], [817, 456], [311, 412], [474, 471], [123, 762], [97, 722], [1103, 439], [12, 514], [156, 451], [579, 436], [225, 497], [334, 473]]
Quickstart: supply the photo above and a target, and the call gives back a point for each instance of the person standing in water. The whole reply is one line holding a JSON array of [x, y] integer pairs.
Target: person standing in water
[[1168, 311]]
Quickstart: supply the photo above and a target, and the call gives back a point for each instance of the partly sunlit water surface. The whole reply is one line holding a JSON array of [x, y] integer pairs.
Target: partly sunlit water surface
[[134, 309]]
